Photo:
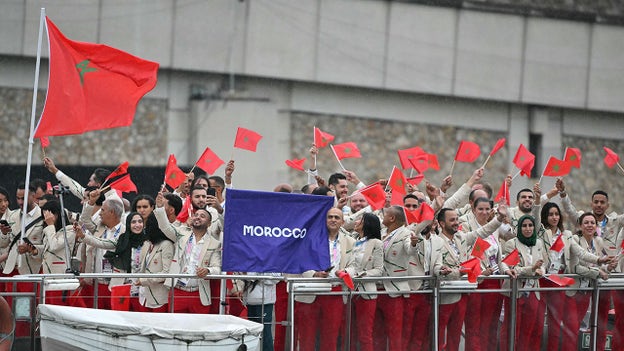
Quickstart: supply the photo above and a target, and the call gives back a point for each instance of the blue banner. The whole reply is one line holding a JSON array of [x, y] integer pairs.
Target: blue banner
[[275, 232]]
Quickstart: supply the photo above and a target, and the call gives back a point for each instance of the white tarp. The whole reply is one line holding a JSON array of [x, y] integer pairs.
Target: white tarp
[[179, 326]]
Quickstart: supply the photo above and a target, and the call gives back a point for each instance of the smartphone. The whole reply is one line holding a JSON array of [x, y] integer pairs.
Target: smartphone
[[211, 191], [4, 222], [27, 241], [329, 269]]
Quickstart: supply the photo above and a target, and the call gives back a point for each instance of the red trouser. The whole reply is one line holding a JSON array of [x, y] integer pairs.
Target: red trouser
[[364, 319], [188, 302], [555, 302], [389, 323], [323, 316], [526, 323], [604, 304], [451, 320], [281, 311], [418, 329], [482, 317], [618, 333]]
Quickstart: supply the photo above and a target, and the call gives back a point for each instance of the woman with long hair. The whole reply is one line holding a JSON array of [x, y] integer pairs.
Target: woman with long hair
[[53, 249], [368, 256], [155, 257]]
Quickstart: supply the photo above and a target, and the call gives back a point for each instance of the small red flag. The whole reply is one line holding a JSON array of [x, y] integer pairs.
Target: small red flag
[[560, 280], [524, 160], [296, 164], [346, 278], [124, 184], [247, 139], [375, 195], [346, 150], [91, 86], [424, 212], [186, 210], [558, 245], [573, 157], [209, 161], [473, 268], [512, 259], [120, 297], [503, 193], [397, 181], [120, 170], [321, 138], [396, 199], [174, 176], [45, 142], [416, 180], [433, 161], [499, 145], [611, 159], [406, 154], [420, 163], [479, 248], [467, 151], [556, 168]]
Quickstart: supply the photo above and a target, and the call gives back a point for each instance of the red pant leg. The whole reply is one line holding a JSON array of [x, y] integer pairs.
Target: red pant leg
[[409, 308], [473, 321], [453, 331], [332, 311], [535, 339], [281, 311], [307, 318], [421, 328], [604, 304], [555, 301], [618, 332], [365, 316], [490, 314], [104, 297], [391, 310], [215, 296]]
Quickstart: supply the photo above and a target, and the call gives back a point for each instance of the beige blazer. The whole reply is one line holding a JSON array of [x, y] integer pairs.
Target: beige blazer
[[417, 262], [370, 266], [346, 263], [53, 249], [29, 264], [155, 259], [528, 256], [396, 250]]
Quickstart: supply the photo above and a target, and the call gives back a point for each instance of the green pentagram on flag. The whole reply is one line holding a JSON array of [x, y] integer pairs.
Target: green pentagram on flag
[[172, 176], [347, 150], [399, 182], [556, 168], [246, 139], [573, 158], [82, 69]]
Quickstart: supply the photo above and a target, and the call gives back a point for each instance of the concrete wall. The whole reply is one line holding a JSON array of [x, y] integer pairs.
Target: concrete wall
[[365, 43]]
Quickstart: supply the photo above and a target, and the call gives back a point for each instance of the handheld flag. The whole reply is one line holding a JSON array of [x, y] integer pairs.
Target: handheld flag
[[556, 168], [611, 158], [560, 280], [573, 157], [433, 162], [321, 138], [424, 212], [406, 154], [473, 268], [416, 180], [375, 195], [467, 151], [479, 248], [209, 161], [91, 86], [524, 160], [124, 184], [346, 150], [247, 139], [346, 278], [499, 145], [174, 176], [503, 193], [420, 163], [558, 245], [45, 142], [512, 259], [296, 164], [397, 181], [120, 170]]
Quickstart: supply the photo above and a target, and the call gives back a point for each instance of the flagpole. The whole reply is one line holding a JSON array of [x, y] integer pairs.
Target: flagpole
[[412, 172], [452, 166], [314, 142], [486, 161], [388, 182], [337, 159], [620, 166], [32, 124], [515, 175]]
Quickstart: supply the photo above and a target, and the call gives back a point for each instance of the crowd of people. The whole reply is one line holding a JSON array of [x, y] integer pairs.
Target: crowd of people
[[181, 232]]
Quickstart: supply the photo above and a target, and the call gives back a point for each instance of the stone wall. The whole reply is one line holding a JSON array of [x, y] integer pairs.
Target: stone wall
[[379, 141], [144, 143]]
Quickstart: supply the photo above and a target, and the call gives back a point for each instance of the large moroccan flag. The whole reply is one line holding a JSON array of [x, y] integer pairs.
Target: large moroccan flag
[[91, 86]]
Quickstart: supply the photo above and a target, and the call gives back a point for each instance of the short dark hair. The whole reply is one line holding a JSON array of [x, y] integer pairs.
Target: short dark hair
[[197, 178], [335, 178], [600, 192], [411, 196], [102, 197], [142, 197], [100, 174], [397, 211], [197, 187], [321, 190], [442, 214], [22, 186], [525, 190], [174, 201], [220, 182], [5, 192], [39, 183]]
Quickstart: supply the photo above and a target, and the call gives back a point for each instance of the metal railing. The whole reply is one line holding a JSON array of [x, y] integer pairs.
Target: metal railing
[[437, 288]]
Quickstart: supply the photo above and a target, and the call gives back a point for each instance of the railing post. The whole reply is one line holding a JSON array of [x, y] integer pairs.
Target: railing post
[[513, 301], [593, 319], [436, 312]]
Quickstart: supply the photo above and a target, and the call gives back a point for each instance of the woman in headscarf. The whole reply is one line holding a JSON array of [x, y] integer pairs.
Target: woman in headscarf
[[155, 257], [531, 260]]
